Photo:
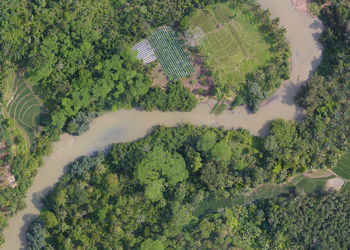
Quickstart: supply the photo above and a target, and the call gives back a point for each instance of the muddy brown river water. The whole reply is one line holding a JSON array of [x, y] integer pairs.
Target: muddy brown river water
[[126, 125]]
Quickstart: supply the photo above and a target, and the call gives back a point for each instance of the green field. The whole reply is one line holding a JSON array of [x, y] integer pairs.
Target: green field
[[170, 54], [343, 167], [232, 45], [308, 185], [346, 187], [24, 108]]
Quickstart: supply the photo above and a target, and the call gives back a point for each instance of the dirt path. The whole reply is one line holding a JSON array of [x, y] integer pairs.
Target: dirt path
[[302, 6], [126, 125]]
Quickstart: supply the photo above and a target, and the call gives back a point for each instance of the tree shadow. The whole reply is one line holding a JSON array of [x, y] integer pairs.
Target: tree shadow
[[27, 218], [317, 25], [265, 129], [292, 88]]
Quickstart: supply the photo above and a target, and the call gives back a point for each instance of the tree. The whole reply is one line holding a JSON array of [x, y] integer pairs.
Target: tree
[[48, 219], [221, 152], [254, 96], [150, 244], [154, 190], [206, 142], [184, 23], [112, 183], [36, 236]]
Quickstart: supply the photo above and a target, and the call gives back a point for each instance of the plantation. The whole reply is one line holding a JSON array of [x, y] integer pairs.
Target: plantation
[[232, 44], [171, 55], [343, 167], [24, 108]]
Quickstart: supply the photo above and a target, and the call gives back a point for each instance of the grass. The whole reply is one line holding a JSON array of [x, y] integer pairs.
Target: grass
[[308, 185], [171, 55], [218, 108], [346, 187], [233, 50], [313, 185], [343, 167], [24, 108]]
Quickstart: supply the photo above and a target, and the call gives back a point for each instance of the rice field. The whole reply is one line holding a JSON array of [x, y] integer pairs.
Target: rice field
[[170, 54], [231, 43], [25, 108], [343, 167]]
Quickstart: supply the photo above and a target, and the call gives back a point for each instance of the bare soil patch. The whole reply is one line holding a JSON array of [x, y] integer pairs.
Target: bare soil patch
[[318, 173], [334, 184], [303, 6], [6, 177], [200, 83]]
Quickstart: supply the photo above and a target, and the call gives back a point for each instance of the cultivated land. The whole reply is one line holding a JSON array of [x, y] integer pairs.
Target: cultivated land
[[25, 108], [232, 45], [343, 167], [171, 55]]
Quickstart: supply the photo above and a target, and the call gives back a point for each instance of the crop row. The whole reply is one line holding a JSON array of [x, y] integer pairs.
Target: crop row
[[170, 54], [238, 39], [24, 108]]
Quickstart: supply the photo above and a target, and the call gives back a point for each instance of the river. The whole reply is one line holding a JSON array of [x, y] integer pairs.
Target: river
[[127, 125]]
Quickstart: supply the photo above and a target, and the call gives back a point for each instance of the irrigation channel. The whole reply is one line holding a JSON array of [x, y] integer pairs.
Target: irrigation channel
[[127, 125]]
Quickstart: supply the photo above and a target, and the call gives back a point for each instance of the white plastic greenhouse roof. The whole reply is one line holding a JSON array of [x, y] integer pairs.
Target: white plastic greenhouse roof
[[145, 51]]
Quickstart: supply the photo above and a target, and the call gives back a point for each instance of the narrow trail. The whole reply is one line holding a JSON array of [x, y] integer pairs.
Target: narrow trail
[[126, 125]]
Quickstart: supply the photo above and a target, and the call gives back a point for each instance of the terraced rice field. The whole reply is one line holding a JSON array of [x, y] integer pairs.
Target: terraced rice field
[[25, 108], [343, 167], [231, 42], [171, 55]]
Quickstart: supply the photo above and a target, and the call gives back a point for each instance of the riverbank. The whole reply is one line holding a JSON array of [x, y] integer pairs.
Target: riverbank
[[126, 125]]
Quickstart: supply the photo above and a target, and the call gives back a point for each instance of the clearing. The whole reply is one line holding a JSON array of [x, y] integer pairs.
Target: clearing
[[24, 107], [230, 42]]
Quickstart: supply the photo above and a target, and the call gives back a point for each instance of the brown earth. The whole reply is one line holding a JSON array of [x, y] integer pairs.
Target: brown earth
[[200, 79], [334, 184], [302, 6], [6, 177], [318, 173]]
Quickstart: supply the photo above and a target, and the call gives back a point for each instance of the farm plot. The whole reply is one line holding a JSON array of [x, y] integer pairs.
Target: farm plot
[[343, 167], [171, 55], [232, 45], [24, 108]]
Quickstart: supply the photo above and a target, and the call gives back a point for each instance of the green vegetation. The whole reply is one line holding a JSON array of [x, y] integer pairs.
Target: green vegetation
[[25, 108], [346, 187], [175, 97], [233, 46], [343, 167], [301, 184], [241, 45], [78, 60], [147, 193], [15, 162], [218, 108], [170, 54]]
